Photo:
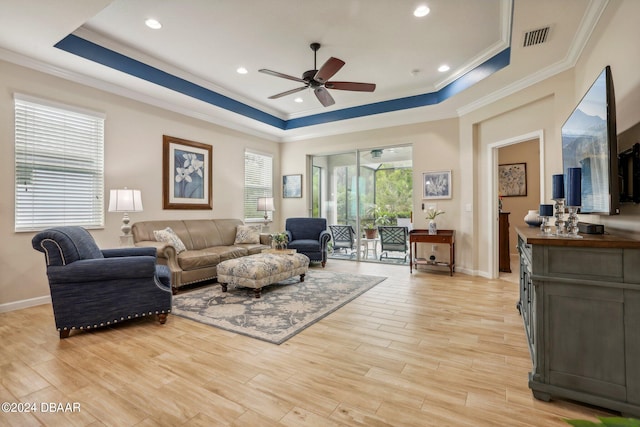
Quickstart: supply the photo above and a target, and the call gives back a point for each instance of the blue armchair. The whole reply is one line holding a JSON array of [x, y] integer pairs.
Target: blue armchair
[[309, 236], [91, 288]]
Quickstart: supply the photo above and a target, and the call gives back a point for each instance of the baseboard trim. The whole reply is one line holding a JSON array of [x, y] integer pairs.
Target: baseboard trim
[[25, 303]]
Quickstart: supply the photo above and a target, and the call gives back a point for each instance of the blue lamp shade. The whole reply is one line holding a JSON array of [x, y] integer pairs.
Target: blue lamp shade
[[557, 187], [574, 187], [546, 210]]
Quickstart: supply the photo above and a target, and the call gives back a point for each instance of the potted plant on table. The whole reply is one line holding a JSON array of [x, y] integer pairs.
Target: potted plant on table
[[374, 216], [432, 214], [280, 240]]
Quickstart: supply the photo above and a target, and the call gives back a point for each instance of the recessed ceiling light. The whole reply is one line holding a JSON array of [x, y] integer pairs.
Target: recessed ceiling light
[[153, 24], [242, 70], [421, 11], [298, 100], [443, 68]]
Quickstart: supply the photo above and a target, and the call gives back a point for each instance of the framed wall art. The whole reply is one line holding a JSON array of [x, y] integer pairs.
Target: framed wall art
[[186, 174], [436, 185], [291, 186], [512, 179]]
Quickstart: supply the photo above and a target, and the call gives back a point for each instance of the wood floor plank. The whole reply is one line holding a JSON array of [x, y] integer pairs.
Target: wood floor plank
[[418, 349]]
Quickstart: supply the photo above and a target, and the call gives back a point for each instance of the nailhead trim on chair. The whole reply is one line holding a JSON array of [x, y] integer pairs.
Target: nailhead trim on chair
[[81, 328]]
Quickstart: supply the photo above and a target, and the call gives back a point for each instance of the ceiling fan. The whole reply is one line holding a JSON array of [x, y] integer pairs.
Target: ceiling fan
[[318, 80]]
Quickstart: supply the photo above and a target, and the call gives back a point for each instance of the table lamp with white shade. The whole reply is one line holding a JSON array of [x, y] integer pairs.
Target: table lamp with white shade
[[125, 200], [265, 204]]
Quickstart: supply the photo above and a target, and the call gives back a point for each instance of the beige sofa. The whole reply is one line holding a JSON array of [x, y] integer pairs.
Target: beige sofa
[[208, 242]]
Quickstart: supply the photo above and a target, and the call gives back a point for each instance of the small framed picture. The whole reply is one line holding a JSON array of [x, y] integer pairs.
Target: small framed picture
[[291, 186], [186, 174], [512, 179], [436, 185]]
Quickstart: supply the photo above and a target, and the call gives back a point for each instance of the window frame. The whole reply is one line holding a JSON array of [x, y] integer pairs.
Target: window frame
[[252, 192], [59, 157]]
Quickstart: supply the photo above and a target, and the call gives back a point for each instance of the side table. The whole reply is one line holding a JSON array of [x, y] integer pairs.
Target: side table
[[422, 236]]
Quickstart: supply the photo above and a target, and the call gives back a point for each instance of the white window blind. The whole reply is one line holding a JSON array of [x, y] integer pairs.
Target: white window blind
[[59, 161], [258, 182]]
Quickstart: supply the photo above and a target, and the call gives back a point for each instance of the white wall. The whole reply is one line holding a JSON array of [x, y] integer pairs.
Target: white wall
[[134, 134], [133, 158], [435, 148]]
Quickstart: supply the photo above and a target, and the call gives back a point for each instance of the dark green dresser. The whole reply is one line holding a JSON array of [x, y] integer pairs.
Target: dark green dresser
[[580, 304]]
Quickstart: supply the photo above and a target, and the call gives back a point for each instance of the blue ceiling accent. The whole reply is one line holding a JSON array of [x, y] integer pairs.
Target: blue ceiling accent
[[94, 52], [467, 80], [86, 49]]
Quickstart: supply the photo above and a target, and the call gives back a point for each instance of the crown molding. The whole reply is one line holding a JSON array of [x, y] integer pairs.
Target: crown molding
[[586, 28]]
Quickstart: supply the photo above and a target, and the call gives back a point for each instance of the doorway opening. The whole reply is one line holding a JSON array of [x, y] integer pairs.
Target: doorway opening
[[493, 156], [359, 192]]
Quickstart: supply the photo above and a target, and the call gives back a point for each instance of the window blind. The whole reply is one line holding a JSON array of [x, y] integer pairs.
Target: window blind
[[59, 165], [258, 182]]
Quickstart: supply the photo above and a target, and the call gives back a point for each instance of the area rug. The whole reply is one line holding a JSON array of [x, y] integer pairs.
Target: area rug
[[285, 308]]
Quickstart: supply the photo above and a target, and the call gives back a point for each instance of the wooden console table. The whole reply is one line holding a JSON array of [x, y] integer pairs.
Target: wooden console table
[[580, 305], [422, 236]]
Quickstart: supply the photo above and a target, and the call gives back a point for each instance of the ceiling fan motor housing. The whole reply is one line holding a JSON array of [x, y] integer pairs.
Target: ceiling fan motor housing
[[308, 77]]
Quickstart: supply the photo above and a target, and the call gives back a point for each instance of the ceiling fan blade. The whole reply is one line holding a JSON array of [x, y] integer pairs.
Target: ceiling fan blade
[[284, 76], [328, 69], [359, 87], [324, 97], [289, 92]]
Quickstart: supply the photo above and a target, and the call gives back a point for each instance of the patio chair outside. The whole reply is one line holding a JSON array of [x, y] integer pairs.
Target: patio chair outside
[[343, 238], [393, 239]]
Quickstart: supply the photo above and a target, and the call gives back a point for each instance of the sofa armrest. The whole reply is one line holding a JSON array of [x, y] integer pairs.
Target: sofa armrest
[[167, 255], [163, 249], [265, 239]]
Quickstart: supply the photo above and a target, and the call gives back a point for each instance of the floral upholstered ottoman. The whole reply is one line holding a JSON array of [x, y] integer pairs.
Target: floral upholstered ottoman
[[257, 271]]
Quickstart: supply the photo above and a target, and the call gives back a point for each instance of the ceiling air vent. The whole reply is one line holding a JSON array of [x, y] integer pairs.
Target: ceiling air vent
[[534, 37]]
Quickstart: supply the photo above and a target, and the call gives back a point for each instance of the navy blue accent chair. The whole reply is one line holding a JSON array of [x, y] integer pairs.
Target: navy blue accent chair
[[91, 288], [309, 236]]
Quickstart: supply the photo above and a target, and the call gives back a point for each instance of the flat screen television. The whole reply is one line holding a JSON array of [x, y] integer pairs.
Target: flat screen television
[[589, 142]]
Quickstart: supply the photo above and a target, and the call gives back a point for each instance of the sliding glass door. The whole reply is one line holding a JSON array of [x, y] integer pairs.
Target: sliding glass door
[[363, 189]]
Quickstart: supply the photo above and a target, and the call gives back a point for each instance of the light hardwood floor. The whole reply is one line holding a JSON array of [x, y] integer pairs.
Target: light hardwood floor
[[421, 349]]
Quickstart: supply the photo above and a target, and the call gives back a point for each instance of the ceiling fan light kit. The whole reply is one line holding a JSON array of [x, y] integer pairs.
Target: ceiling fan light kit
[[318, 80]]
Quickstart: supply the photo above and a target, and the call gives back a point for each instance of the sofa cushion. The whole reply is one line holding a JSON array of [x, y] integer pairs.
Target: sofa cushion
[[143, 231], [230, 252], [305, 245], [253, 248], [248, 234], [227, 230], [198, 258], [169, 236], [209, 257], [204, 233]]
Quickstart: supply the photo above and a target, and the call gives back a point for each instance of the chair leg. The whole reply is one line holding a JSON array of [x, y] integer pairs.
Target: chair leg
[[162, 318], [64, 333], [324, 263]]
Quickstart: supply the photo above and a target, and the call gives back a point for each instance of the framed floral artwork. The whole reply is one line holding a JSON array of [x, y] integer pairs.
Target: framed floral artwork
[[186, 174], [512, 179], [436, 185], [291, 186]]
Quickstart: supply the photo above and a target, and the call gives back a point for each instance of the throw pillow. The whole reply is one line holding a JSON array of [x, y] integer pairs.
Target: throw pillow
[[169, 236], [248, 234]]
